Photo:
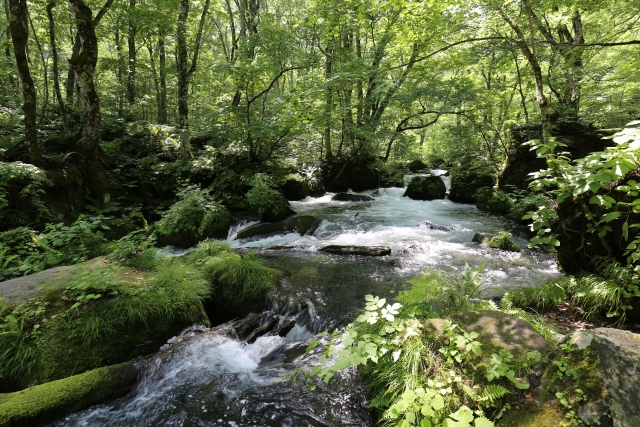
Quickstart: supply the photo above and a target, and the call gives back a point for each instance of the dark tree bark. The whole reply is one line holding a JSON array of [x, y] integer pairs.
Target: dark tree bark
[[56, 70], [77, 47], [529, 53], [84, 64], [163, 80], [45, 103], [156, 82], [184, 72], [131, 43], [19, 25]]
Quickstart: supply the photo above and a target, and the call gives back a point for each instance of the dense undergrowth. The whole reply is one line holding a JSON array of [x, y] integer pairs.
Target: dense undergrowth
[[100, 314]]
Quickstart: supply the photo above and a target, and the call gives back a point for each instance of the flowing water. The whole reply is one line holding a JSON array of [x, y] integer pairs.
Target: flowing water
[[213, 379]]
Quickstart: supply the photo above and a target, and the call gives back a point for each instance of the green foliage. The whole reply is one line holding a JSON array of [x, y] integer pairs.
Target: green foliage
[[20, 337], [493, 200], [543, 297], [135, 249], [451, 292], [25, 252], [239, 277], [601, 178], [27, 183], [264, 198], [197, 213], [419, 377], [212, 248], [531, 202]]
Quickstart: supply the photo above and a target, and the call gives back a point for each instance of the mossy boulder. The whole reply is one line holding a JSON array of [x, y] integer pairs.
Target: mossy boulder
[[426, 188], [46, 402], [294, 187], [392, 174], [359, 173], [493, 200], [195, 217], [503, 241], [464, 185], [417, 165], [501, 330], [278, 211]]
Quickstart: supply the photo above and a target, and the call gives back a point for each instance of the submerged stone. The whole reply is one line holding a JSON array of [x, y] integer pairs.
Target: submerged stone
[[357, 250], [302, 224], [348, 197]]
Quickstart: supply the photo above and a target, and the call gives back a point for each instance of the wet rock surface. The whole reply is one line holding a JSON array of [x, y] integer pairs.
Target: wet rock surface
[[302, 224], [426, 188], [348, 197], [620, 357], [357, 250]]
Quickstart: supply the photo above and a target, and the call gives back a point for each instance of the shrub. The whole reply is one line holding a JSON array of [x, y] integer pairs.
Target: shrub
[[136, 249], [24, 252], [493, 200], [27, 183], [196, 216], [266, 200], [239, 277]]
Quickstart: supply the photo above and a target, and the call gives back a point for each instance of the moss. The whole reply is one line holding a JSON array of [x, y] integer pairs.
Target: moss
[[503, 242], [426, 188], [532, 415], [55, 399], [493, 200], [586, 364]]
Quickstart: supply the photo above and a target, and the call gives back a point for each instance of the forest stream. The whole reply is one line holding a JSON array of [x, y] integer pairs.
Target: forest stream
[[213, 379]]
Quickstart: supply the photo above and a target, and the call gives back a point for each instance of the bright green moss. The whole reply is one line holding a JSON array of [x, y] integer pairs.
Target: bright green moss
[[55, 399]]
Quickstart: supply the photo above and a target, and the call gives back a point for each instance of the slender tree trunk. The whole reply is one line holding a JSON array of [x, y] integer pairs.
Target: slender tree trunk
[[84, 65], [184, 73], [7, 49], [131, 42], [529, 53], [56, 71], [45, 103], [328, 105], [183, 77], [120, 72], [156, 82], [19, 25], [163, 80]]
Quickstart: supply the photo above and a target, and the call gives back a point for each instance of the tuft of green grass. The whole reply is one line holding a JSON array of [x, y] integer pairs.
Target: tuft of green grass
[[543, 297], [239, 276], [211, 248]]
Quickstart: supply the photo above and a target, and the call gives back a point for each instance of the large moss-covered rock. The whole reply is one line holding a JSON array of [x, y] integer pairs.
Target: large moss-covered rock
[[294, 187], [280, 210], [426, 188], [493, 200], [504, 242], [46, 402], [358, 174], [581, 139], [302, 224], [465, 184], [417, 165], [620, 357]]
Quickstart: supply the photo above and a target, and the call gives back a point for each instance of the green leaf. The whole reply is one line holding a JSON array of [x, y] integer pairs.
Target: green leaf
[[482, 422], [611, 216]]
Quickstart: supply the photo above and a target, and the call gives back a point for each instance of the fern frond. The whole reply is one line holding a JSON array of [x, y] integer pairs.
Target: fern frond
[[493, 392], [381, 401]]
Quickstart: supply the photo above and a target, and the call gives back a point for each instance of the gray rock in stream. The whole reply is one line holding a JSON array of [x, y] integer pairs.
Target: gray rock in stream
[[432, 226], [348, 197], [302, 224], [357, 250]]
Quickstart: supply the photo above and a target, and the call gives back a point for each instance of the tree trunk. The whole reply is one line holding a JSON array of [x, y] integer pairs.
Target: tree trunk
[[56, 71], [529, 53], [131, 42], [156, 82], [7, 49], [328, 105], [183, 77], [84, 65], [163, 80], [19, 25]]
